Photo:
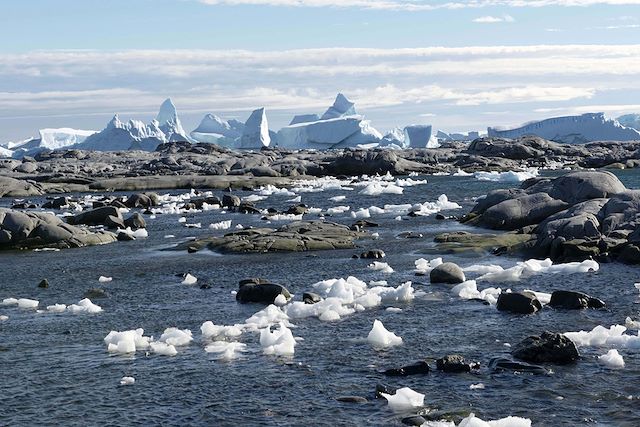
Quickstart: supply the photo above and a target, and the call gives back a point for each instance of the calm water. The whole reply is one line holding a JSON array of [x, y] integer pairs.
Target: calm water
[[56, 370]]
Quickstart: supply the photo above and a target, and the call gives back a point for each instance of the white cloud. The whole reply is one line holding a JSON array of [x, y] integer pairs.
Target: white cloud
[[415, 5], [494, 19]]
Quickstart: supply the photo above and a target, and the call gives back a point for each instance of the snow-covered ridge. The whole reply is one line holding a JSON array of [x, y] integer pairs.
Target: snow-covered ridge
[[572, 129]]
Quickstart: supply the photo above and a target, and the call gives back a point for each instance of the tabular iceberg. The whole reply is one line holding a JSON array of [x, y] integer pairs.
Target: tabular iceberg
[[572, 129], [49, 139], [256, 131], [630, 121]]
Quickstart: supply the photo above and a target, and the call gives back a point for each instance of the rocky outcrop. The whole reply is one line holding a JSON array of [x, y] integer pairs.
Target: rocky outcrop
[[547, 348], [518, 302], [260, 291], [297, 236], [30, 230]]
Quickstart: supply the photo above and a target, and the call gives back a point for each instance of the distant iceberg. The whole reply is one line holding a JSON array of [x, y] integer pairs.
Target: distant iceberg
[[630, 121], [169, 123], [572, 129], [341, 107], [256, 131], [215, 130], [49, 139]]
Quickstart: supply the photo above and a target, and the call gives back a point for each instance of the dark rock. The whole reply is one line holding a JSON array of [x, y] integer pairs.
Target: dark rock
[[410, 235], [135, 221], [44, 284], [373, 254], [140, 200], [124, 237], [382, 388], [95, 293], [440, 216], [300, 209], [265, 293], [418, 368], [547, 348], [205, 286], [499, 364], [351, 399], [365, 223], [114, 222], [574, 300], [518, 302], [447, 272], [311, 298], [230, 201], [96, 216], [414, 420], [455, 363], [56, 203]]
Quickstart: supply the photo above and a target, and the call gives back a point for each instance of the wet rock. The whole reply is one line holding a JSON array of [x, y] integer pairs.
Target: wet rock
[[230, 201], [363, 223], [414, 420], [265, 293], [547, 348], [574, 300], [518, 302], [455, 363], [382, 388], [447, 272], [44, 284], [499, 364], [418, 368], [114, 222], [135, 221], [56, 203], [311, 298], [410, 235], [373, 254], [140, 200], [125, 237], [300, 209], [96, 216], [248, 208], [205, 286], [351, 399], [95, 293]]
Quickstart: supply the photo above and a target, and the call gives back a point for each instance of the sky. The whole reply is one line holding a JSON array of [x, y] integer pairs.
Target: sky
[[458, 65]]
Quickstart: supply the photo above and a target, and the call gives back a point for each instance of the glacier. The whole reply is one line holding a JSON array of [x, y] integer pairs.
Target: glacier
[[572, 129], [256, 131]]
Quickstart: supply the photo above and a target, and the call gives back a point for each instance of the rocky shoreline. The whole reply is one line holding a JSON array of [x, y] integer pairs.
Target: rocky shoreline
[[184, 165]]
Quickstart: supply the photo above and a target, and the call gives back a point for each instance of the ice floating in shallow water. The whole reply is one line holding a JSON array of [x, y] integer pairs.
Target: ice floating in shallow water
[[253, 198], [376, 189], [280, 300], [460, 172], [140, 233], [127, 341], [337, 198], [127, 381], [194, 225], [279, 342], [338, 210], [469, 290], [533, 267], [612, 359], [56, 308], [176, 337], [104, 279], [27, 303], [380, 338], [297, 199], [637, 286], [189, 279], [84, 306], [270, 190], [361, 214], [268, 316], [631, 324], [473, 421], [424, 266], [182, 220], [222, 225], [600, 336], [404, 399], [508, 176], [163, 349], [478, 386], [4, 318], [210, 330], [380, 266], [285, 217], [226, 350]]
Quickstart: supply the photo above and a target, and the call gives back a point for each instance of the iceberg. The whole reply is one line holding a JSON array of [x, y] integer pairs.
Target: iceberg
[[120, 135], [419, 136], [49, 139], [216, 130], [256, 131], [341, 107], [572, 129], [341, 132], [169, 123], [630, 121], [304, 118], [463, 137]]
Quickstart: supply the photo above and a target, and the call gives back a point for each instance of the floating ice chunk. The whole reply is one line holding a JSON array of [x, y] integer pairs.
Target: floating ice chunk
[[361, 213], [509, 176], [600, 336], [140, 233], [182, 220], [285, 217], [612, 359], [84, 306], [226, 350], [394, 310], [10, 301], [337, 198], [27, 303], [631, 324], [380, 338], [126, 341], [189, 279], [473, 421], [169, 236], [193, 225], [176, 337], [269, 190], [637, 286], [279, 342], [460, 172], [268, 316], [380, 266], [209, 330], [104, 279], [56, 308], [424, 266], [254, 198], [4, 318], [532, 267], [483, 269], [222, 225], [338, 210], [478, 386], [430, 208], [280, 300], [163, 349], [376, 189], [297, 199], [543, 297], [469, 290], [127, 381], [404, 399]]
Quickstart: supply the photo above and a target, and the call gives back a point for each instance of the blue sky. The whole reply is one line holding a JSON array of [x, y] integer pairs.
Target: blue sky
[[459, 65]]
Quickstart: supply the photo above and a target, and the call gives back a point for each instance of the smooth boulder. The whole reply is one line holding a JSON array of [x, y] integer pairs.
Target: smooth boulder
[[518, 302], [574, 300], [447, 272], [265, 293], [549, 347]]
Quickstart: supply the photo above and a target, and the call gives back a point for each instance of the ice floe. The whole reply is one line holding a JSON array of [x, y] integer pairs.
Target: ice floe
[[404, 399], [104, 279], [380, 266], [127, 381], [189, 279], [612, 359], [380, 338], [279, 342], [600, 336], [226, 350], [222, 225], [532, 267], [127, 341], [508, 176]]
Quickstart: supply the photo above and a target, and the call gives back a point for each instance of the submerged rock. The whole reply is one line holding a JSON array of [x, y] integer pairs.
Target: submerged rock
[[574, 300], [265, 293], [455, 363], [311, 298], [499, 364], [547, 348], [418, 368]]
